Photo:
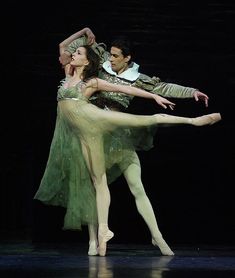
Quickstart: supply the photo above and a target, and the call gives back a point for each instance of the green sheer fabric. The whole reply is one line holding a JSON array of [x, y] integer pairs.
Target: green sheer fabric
[[114, 136]]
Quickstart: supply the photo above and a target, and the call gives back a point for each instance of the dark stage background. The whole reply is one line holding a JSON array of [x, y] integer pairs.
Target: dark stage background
[[188, 175]]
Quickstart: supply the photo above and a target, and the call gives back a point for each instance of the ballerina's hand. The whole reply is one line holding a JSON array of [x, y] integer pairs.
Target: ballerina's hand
[[65, 59], [90, 36], [164, 102]]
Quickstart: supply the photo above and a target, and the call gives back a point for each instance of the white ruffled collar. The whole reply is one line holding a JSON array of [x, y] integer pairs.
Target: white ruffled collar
[[130, 74]]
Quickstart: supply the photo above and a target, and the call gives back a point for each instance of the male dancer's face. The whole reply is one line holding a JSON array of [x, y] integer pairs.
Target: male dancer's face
[[119, 63]]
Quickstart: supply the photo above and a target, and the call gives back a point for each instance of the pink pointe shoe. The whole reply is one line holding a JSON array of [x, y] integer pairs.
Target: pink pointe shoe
[[209, 119], [104, 237], [93, 250]]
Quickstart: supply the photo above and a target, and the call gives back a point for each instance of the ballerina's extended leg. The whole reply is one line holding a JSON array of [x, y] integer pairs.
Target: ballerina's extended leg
[[208, 119], [117, 119]]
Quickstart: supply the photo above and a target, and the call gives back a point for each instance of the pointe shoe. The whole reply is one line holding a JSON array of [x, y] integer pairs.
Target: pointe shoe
[[209, 119], [103, 239], [164, 248], [93, 250]]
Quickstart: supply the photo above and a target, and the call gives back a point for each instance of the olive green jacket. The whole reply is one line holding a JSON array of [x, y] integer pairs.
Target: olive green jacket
[[131, 77]]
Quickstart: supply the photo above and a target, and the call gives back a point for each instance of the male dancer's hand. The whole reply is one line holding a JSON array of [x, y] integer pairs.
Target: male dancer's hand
[[201, 96]]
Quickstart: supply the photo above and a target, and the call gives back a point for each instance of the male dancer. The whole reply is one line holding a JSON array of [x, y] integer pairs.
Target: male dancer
[[118, 67]]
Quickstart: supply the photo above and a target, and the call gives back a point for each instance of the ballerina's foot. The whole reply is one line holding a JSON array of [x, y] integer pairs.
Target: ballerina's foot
[[209, 119], [93, 250], [103, 239], [164, 248]]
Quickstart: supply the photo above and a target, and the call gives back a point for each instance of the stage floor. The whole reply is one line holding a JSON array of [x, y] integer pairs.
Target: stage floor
[[25, 259]]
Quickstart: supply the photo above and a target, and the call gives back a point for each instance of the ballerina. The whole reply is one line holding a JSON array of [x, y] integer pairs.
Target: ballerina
[[88, 141]]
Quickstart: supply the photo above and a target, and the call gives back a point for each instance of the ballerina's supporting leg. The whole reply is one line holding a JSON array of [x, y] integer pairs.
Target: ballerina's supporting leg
[[94, 155]]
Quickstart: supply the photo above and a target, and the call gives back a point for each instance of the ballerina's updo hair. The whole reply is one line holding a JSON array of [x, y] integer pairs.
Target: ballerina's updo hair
[[92, 69]]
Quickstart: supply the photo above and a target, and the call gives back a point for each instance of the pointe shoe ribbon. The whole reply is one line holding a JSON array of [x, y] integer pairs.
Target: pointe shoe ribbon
[[103, 239]]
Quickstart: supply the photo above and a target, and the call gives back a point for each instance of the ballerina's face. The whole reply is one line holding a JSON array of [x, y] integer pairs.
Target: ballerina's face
[[79, 57]]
